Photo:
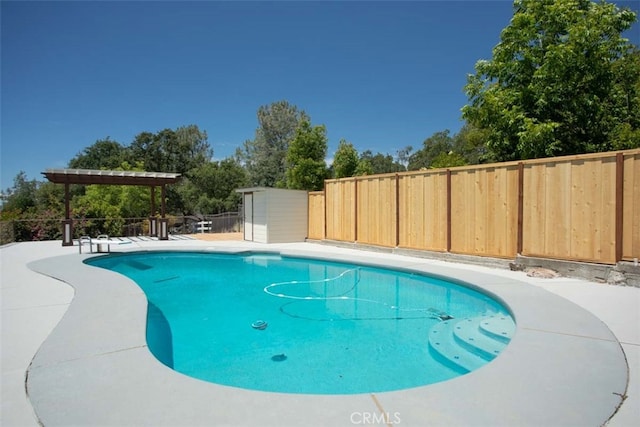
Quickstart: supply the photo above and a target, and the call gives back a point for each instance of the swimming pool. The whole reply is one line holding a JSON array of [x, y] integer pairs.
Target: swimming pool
[[296, 325]]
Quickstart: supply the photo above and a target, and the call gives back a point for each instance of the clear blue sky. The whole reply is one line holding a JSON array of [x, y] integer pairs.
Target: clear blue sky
[[382, 75]]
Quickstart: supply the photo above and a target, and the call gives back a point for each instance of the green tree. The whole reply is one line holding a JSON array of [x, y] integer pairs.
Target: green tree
[[111, 204], [146, 148], [448, 160], [345, 160], [189, 148], [470, 144], [364, 168], [265, 155], [39, 207], [403, 156], [176, 151], [626, 133], [439, 142], [20, 197], [18, 202], [553, 86], [210, 188], [102, 154], [380, 163], [168, 150], [306, 168], [50, 197]]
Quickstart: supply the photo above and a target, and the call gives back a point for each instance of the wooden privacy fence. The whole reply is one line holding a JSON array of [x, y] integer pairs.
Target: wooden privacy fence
[[583, 208]]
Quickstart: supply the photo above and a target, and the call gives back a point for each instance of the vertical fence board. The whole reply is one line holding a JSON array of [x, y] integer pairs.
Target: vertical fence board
[[316, 215], [376, 210], [477, 236], [631, 207], [593, 214], [569, 207], [580, 207], [423, 211], [435, 217], [533, 215], [503, 237], [605, 213], [462, 204], [340, 204], [484, 205], [512, 208], [557, 234], [412, 206]]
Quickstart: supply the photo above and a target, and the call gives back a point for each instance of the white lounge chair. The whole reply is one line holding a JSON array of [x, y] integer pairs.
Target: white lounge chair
[[102, 241]]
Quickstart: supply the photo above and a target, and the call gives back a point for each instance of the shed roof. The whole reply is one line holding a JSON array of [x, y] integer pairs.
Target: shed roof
[[109, 177], [262, 189]]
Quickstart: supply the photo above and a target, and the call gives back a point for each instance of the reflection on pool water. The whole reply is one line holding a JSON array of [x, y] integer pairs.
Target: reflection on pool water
[[294, 325]]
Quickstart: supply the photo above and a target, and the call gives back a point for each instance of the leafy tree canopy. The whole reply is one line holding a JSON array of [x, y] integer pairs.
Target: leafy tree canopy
[[345, 160], [210, 188], [380, 163], [21, 196], [439, 142], [364, 167], [265, 155], [168, 150], [562, 80], [113, 203], [42, 203], [469, 143], [402, 156], [306, 168], [103, 154], [126, 201]]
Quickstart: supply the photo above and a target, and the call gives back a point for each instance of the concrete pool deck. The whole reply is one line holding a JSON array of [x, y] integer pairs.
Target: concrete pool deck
[[88, 364]]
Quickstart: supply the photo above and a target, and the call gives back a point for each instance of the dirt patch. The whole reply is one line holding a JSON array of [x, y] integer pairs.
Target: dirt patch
[[217, 236], [544, 273]]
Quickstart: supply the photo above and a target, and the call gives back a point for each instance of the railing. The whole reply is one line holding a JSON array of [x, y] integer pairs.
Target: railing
[[35, 229], [226, 222]]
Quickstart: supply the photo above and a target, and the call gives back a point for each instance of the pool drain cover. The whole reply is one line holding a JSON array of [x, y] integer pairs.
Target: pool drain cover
[[279, 357]]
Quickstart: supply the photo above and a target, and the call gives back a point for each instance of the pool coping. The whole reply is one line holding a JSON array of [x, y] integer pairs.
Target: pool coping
[[563, 366]]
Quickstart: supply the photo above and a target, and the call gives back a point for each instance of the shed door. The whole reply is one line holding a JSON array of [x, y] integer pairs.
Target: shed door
[[248, 216]]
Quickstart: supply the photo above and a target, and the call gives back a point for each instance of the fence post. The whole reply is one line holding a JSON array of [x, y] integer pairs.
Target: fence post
[[448, 210], [619, 205], [397, 210], [355, 209], [519, 236], [324, 205]]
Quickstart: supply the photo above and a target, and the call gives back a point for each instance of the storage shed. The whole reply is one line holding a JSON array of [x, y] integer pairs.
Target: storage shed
[[274, 215]]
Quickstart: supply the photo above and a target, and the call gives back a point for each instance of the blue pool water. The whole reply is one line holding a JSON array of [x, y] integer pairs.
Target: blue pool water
[[331, 328]]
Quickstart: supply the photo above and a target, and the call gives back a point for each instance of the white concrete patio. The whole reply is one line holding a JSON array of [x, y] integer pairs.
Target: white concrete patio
[[33, 304]]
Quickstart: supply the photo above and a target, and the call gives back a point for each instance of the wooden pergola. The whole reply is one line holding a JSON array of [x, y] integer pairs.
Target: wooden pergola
[[110, 177]]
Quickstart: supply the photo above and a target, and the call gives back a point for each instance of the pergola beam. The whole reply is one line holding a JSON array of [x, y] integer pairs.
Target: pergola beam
[[107, 177]]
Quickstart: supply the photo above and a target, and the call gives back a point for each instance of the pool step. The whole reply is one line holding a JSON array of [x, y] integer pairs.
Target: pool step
[[469, 343], [499, 327], [443, 342]]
